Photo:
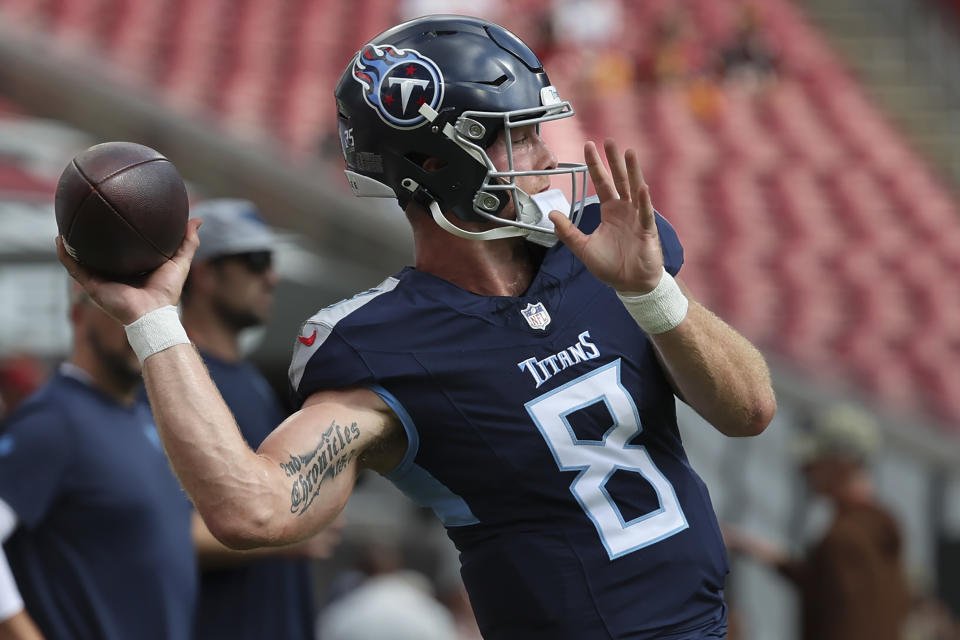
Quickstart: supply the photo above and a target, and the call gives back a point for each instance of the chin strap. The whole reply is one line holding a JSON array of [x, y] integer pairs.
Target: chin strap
[[542, 203], [505, 231]]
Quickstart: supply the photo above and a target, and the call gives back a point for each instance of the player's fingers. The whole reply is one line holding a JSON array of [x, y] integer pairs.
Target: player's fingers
[[640, 191], [618, 168], [191, 240], [73, 267], [567, 232], [601, 179]]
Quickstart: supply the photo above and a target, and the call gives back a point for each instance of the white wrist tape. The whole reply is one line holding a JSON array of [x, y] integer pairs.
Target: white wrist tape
[[155, 331], [661, 309]]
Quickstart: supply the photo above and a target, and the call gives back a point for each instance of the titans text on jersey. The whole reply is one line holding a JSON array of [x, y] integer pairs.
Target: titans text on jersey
[[543, 370]]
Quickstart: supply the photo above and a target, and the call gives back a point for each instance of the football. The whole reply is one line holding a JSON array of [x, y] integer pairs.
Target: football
[[121, 209]]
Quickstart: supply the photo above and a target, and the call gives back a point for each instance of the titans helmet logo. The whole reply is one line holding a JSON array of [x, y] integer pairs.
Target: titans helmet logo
[[396, 82]]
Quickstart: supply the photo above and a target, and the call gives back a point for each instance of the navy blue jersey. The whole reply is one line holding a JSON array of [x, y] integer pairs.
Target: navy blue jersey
[[103, 550], [269, 597], [543, 433]]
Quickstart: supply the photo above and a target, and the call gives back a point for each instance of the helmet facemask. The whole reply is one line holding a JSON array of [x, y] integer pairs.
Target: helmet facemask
[[499, 186]]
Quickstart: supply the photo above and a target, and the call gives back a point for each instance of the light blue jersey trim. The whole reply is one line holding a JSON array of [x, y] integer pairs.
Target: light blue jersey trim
[[413, 436], [418, 483]]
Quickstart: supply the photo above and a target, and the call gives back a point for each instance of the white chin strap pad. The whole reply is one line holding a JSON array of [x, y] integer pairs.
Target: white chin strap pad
[[550, 200], [489, 234]]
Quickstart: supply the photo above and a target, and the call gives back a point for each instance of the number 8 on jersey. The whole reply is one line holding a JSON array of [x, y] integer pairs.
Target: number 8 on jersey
[[597, 460]]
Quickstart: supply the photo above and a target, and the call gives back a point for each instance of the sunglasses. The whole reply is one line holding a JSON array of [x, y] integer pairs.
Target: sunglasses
[[257, 262]]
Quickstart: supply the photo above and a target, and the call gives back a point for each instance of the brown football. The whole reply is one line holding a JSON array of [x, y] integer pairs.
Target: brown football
[[121, 209]]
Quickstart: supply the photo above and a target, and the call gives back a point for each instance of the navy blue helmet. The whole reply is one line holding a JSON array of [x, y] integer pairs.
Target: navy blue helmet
[[444, 87]]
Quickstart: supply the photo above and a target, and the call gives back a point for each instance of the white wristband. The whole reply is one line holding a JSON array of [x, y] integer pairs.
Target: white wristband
[[155, 331], [661, 309]]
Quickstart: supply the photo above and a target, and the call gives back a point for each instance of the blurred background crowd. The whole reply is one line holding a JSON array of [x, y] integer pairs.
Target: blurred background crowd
[[805, 150]]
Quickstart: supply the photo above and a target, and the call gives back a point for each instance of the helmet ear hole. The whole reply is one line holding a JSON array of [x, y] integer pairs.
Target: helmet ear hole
[[433, 163], [417, 158]]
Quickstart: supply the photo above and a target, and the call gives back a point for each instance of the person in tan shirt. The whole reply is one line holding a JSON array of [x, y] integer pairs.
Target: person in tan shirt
[[851, 582]]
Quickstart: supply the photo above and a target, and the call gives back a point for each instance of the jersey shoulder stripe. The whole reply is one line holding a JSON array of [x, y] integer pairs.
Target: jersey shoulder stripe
[[318, 327]]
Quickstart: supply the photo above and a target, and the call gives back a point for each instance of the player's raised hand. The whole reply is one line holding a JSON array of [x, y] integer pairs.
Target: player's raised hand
[[126, 302], [624, 251]]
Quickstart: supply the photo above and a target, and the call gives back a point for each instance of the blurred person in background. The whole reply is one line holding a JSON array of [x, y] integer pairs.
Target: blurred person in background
[[677, 59], [381, 571], [410, 9], [851, 583], [586, 47], [748, 59], [588, 24], [269, 593], [376, 554], [392, 606], [521, 379], [101, 544], [676, 54]]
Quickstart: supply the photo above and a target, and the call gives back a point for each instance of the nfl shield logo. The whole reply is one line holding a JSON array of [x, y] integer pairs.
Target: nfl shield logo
[[536, 315]]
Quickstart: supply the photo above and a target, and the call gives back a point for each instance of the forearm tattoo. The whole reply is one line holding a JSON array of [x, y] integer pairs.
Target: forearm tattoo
[[337, 447]]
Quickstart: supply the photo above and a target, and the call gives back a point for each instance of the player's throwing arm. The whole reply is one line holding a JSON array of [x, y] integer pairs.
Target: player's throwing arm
[[306, 469]]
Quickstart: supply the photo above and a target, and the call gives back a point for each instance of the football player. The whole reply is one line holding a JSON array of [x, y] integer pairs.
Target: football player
[[520, 378]]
